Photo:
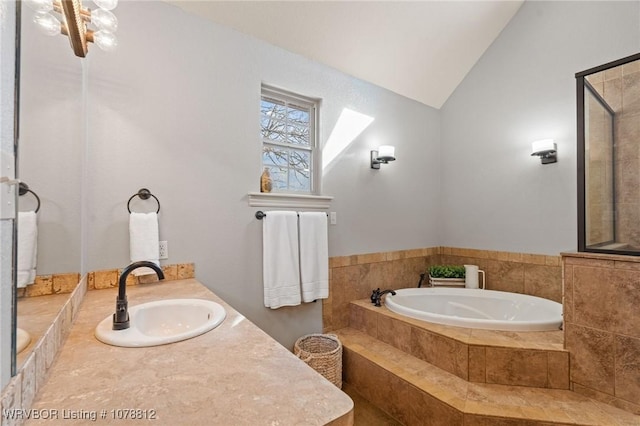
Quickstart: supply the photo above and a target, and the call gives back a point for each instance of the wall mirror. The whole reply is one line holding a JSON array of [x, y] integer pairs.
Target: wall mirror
[[608, 100], [51, 128]]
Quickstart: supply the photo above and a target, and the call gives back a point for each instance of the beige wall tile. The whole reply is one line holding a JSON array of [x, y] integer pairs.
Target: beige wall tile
[[606, 398], [516, 367], [594, 297], [627, 304], [370, 258], [558, 363], [592, 357], [443, 352], [427, 410], [65, 283], [394, 332], [363, 319], [567, 303], [590, 262], [627, 368], [343, 284], [543, 281], [340, 261], [42, 285], [186, 270], [106, 278], [170, 272], [477, 364], [505, 276]]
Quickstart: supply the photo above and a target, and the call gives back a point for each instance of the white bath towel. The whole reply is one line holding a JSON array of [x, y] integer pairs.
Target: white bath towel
[[280, 259], [144, 243], [27, 248], [314, 256]]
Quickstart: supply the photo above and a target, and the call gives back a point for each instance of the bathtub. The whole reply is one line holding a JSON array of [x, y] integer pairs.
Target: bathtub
[[475, 308]]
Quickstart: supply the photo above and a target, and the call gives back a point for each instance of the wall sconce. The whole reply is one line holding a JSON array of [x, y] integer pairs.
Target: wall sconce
[[546, 150], [73, 22], [383, 155]]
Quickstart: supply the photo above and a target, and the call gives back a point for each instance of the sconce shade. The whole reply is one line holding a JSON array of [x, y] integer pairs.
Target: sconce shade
[[384, 154], [546, 150]]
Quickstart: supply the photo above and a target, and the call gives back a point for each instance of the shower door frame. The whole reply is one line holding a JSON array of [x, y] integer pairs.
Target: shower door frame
[[581, 83]]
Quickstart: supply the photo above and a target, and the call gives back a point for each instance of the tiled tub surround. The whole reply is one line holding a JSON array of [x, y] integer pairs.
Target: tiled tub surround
[[602, 326], [510, 358], [353, 277], [234, 375], [421, 373]]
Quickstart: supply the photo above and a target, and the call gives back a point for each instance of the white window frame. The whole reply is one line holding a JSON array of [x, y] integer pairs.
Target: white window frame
[[295, 199], [287, 97]]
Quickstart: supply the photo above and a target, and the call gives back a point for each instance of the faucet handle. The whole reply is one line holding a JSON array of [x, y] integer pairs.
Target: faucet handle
[[375, 295]]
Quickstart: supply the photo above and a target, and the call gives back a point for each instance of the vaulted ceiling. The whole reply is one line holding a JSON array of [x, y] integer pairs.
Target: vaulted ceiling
[[419, 49]]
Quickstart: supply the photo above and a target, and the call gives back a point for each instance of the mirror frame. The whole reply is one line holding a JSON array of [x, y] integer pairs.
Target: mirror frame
[[581, 145]]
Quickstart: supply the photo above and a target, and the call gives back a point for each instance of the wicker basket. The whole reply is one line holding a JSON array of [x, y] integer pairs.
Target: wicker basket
[[323, 353]]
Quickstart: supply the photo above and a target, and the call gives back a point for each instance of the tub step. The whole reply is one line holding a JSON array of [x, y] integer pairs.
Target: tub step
[[535, 359], [416, 392]]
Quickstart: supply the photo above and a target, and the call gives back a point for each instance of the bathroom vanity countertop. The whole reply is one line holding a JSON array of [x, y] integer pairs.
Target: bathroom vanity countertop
[[233, 375]]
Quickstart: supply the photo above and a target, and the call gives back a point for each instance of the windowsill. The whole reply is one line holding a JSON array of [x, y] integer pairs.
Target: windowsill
[[302, 201]]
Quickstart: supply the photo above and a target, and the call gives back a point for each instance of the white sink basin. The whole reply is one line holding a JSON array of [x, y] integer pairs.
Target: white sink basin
[[163, 321], [23, 338]]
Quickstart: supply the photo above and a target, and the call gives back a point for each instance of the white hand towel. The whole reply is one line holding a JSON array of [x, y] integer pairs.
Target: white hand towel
[[314, 256], [144, 240], [27, 248], [280, 259]]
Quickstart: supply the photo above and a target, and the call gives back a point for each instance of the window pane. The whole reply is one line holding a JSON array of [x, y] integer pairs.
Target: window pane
[[278, 178], [299, 180], [298, 135], [273, 109], [297, 115], [273, 130], [300, 160], [274, 156]]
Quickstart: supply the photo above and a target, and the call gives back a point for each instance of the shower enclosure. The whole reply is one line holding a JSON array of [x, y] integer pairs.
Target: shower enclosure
[[609, 157]]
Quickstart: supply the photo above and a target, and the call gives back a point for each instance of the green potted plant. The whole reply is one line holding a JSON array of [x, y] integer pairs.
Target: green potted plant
[[446, 275]]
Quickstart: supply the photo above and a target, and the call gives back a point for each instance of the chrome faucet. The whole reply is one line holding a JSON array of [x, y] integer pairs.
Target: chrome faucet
[[380, 294], [121, 316]]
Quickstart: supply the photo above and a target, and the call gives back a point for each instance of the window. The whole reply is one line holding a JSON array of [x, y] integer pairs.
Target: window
[[288, 133]]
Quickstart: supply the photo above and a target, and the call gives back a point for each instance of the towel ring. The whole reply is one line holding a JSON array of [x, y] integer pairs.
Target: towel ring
[[23, 188], [144, 194]]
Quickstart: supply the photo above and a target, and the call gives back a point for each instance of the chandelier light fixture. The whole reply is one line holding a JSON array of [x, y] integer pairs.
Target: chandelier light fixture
[[70, 18]]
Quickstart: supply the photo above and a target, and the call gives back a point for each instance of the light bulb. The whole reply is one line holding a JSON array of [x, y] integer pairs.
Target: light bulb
[[47, 23], [104, 20], [106, 4], [40, 5], [105, 40]]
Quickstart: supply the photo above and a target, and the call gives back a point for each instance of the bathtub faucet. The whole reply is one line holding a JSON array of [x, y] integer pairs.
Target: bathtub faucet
[[382, 293], [374, 295], [422, 277]]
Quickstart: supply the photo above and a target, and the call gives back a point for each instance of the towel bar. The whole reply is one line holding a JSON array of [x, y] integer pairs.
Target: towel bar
[[144, 194], [23, 188], [261, 215]]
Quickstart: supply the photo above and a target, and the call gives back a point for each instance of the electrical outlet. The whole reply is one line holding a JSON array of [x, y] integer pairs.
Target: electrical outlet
[[333, 218], [164, 250]]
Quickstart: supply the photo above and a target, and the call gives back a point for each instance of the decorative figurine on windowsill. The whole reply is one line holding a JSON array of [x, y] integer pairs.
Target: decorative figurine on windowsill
[[265, 181]]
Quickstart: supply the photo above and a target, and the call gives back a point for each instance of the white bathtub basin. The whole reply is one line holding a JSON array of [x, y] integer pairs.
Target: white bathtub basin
[[474, 308], [163, 321]]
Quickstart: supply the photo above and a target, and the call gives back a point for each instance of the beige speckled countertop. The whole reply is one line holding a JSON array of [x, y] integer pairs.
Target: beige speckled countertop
[[233, 375]]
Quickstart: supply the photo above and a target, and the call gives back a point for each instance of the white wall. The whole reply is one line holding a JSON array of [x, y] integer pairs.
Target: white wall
[[175, 109], [51, 141], [495, 196]]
